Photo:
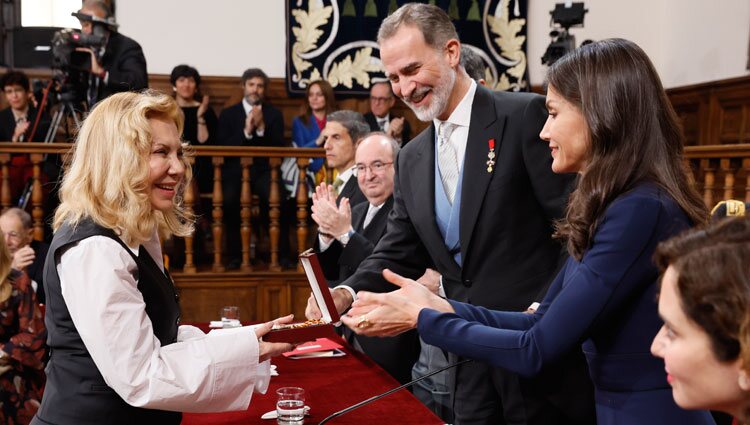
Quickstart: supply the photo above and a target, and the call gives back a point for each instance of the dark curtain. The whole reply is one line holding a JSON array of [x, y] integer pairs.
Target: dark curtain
[[335, 40]]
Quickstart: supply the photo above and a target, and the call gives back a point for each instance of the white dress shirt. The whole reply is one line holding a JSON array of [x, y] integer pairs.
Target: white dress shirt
[[248, 108], [198, 373]]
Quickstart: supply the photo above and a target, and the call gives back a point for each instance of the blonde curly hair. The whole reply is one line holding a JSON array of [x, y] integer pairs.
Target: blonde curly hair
[[107, 180]]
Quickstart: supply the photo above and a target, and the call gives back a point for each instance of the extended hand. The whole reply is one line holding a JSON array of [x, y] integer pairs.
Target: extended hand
[[20, 130], [96, 67], [394, 312], [203, 107], [342, 299], [23, 258], [266, 350], [331, 219], [396, 128], [431, 280]]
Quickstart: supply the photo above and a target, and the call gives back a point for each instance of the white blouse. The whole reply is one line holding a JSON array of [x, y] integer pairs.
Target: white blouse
[[198, 373]]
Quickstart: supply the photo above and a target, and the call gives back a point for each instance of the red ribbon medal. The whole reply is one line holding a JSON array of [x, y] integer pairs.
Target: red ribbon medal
[[490, 155]]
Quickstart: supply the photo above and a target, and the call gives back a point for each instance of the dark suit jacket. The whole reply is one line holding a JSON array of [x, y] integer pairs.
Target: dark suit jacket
[[352, 192], [8, 124], [396, 355], [506, 215], [231, 133], [605, 300], [506, 222], [35, 270], [405, 134], [124, 61]]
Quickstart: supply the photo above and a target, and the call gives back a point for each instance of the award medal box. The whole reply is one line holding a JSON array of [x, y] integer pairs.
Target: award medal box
[[312, 329]]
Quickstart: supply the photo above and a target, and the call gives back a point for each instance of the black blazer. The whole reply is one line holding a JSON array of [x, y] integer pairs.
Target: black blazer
[[35, 270], [353, 193], [231, 132], [397, 354], [507, 215], [405, 134], [8, 124]]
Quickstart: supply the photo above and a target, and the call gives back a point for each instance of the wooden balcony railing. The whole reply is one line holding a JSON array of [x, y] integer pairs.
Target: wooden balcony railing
[[38, 151], [720, 172]]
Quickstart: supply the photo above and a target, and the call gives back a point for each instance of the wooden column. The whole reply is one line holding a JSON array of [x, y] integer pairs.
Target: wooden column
[[708, 182], [217, 214], [302, 164], [746, 168], [246, 201], [190, 192], [37, 197], [274, 213], [726, 166]]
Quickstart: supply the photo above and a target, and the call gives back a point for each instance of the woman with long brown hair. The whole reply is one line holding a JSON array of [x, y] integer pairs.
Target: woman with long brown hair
[[611, 122], [306, 127]]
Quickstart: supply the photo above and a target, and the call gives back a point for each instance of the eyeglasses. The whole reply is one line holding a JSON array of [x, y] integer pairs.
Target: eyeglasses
[[375, 167], [12, 234], [380, 99]]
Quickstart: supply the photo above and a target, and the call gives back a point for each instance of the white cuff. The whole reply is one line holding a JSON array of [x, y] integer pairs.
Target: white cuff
[[348, 288], [441, 289], [323, 244]]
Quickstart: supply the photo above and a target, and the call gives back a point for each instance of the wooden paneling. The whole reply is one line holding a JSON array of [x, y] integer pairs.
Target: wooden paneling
[[715, 113]]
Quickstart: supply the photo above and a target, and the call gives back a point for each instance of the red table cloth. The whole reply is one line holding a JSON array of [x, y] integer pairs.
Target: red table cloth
[[331, 384]]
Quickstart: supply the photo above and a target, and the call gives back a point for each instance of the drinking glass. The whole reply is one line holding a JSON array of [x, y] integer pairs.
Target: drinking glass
[[290, 406]]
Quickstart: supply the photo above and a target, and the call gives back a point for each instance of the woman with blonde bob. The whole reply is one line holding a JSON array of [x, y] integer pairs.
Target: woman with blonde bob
[[118, 354]]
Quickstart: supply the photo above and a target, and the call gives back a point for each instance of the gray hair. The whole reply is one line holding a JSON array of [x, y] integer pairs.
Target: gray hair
[[354, 122], [395, 147], [472, 63], [434, 24], [22, 215]]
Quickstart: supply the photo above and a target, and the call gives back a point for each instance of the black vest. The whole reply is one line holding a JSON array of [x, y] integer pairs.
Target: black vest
[[76, 393]]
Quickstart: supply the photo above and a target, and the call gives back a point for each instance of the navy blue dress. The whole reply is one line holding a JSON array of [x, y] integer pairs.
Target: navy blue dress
[[606, 302]]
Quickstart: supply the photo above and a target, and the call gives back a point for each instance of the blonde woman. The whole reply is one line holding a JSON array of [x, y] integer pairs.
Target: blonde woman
[[118, 354], [22, 347]]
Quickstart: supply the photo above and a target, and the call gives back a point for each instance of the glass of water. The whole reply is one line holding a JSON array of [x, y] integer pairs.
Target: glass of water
[[290, 406], [230, 315]]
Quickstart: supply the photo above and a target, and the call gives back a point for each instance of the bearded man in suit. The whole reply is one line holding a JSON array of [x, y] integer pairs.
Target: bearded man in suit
[[475, 198]]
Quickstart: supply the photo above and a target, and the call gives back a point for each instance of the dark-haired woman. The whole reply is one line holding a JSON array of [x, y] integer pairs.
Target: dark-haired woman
[[704, 299], [200, 119], [307, 126], [611, 122]]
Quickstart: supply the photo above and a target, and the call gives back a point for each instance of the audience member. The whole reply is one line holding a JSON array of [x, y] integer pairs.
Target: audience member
[[118, 354], [380, 117], [356, 230], [251, 122], [119, 65], [485, 228], [16, 125], [633, 192], [306, 127], [704, 299], [343, 130], [473, 65], [27, 254], [22, 348], [200, 119]]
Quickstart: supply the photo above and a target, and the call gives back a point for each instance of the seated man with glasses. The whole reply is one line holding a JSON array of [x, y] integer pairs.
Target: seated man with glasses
[[348, 235], [26, 253], [380, 117]]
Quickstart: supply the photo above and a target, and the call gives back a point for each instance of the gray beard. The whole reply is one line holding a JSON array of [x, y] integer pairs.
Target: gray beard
[[440, 94]]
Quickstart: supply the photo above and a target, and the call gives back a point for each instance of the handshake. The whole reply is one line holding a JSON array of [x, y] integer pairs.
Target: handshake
[[386, 314]]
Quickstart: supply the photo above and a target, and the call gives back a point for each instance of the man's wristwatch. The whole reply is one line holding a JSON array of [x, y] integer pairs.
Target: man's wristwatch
[[344, 239]]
